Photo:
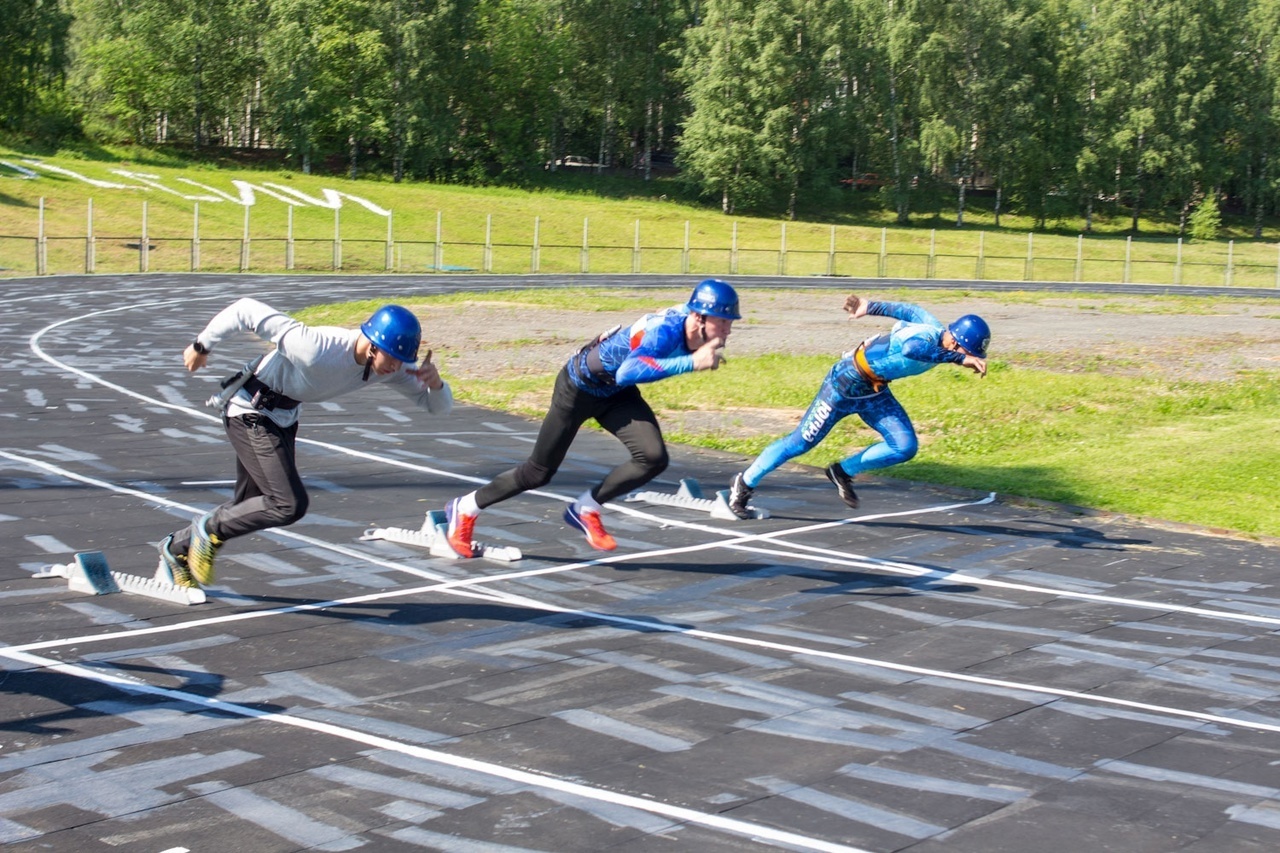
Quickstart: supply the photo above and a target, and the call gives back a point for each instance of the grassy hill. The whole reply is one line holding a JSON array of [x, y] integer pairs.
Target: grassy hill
[[497, 227], [1167, 437]]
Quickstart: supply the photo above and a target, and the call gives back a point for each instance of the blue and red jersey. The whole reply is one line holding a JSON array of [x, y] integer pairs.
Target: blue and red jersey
[[650, 349]]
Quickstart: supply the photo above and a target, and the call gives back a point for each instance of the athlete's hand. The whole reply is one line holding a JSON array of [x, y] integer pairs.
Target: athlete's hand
[[427, 374], [856, 306], [710, 355], [194, 360], [977, 365]]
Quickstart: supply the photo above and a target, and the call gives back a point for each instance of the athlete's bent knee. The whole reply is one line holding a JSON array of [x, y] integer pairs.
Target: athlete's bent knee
[[905, 451], [530, 475], [285, 512], [657, 463]]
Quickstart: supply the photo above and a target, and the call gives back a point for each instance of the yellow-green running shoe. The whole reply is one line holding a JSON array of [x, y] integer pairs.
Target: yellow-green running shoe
[[202, 550], [173, 568]]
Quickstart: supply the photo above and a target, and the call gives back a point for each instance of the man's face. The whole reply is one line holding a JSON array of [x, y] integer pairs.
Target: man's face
[[384, 364], [717, 327]]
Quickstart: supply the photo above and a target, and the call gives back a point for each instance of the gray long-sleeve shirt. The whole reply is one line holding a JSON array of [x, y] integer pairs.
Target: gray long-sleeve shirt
[[309, 363]]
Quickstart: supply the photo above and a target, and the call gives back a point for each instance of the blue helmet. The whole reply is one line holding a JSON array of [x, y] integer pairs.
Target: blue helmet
[[395, 331], [715, 298], [972, 333]]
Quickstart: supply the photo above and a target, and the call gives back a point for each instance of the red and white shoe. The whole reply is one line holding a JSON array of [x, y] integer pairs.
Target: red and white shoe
[[588, 521], [461, 528]]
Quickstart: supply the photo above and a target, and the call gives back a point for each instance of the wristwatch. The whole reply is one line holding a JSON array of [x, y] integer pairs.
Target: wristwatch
[[199, 347]]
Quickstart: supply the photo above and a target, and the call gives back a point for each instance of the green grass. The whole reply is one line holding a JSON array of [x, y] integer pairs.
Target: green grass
[[559, 206], [1196, 452]]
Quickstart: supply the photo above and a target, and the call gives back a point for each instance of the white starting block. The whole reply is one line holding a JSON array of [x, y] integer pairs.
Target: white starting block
[[689, 496], [434, 536], [90, 574]]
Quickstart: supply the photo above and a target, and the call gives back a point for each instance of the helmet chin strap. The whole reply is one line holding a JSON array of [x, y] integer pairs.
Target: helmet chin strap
[[368, 364]]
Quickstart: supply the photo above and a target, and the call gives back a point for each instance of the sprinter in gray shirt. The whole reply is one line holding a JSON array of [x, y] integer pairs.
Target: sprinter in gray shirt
[[260, 412]]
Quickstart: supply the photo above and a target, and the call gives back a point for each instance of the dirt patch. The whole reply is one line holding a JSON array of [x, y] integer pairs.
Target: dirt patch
[[1108, 334]]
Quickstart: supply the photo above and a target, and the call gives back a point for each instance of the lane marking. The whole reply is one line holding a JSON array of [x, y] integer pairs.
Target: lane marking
[[524, 777], [739, 542], [464, 587]]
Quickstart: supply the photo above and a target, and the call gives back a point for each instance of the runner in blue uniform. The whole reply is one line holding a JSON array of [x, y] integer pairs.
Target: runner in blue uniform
[[601, 381], [858, 384]]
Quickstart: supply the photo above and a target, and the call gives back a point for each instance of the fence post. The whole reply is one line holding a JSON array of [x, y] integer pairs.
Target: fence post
[[586, 262], [831, 253], [883, 264], [1029, 268], [288, 242], [733, 252], [437, 252], [533, 259], [387, 261], [40, 254], [1177, 266], [1128, 255], [978, 267], [1231, 254], [931, 267], [782, 252], [337, 239], [488, 243], [195, 236], [244, 242], [684, 257], [1079, 257], [144, 259], [635, 250], [90, 246]]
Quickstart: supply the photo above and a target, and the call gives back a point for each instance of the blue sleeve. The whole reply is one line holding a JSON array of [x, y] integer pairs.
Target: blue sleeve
[[660, 352], [921, 349], [905, 311]]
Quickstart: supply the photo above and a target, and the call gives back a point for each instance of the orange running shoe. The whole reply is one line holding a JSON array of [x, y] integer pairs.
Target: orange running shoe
[[460, 530], [588, 521]]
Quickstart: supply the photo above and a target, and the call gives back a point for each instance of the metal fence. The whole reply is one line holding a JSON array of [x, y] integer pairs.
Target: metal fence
[[1093, 259]]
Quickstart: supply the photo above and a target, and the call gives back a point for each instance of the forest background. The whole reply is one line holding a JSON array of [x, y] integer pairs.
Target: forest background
[[1051, 109]]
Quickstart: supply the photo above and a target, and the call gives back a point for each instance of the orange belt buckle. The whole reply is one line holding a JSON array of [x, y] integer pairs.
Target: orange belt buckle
[[864, 368]]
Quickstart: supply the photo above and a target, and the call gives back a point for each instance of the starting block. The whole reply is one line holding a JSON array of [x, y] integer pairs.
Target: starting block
[[689, 496], [434, 536], [90, 574]]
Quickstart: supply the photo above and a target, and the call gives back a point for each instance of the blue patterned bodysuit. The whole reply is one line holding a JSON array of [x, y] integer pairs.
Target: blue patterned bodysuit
[[911, 347]]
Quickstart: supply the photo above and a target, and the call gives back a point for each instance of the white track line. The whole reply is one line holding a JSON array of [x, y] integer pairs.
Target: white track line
[[534, 780], [462, 586], [835, 557]]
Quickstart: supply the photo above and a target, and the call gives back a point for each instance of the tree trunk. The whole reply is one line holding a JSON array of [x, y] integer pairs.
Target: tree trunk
[[1183, 212], [1258, 207], [648, 139]]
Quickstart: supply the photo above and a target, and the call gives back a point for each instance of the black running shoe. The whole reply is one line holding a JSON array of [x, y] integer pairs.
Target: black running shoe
[[739, 494], [844, 485]]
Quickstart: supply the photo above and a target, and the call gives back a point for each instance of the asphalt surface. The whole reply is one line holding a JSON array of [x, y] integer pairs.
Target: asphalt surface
[[936, 672]]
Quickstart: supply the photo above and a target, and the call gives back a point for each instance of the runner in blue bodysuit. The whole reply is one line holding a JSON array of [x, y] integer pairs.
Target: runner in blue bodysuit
[[858, 384], [601, 381]]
